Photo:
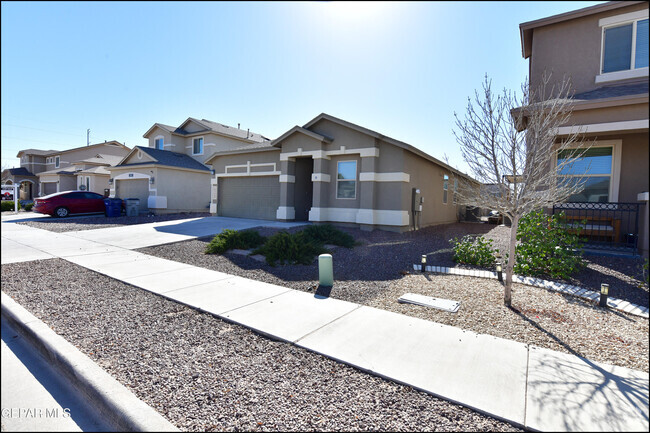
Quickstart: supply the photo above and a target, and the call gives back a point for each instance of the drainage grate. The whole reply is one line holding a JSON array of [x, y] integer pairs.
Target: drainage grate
[[428, 301]]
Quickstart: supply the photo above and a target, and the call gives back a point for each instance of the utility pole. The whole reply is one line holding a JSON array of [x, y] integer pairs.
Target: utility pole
[[88, 137]]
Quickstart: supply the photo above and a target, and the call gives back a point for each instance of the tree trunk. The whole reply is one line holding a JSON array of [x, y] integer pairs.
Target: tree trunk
[[507, 293]]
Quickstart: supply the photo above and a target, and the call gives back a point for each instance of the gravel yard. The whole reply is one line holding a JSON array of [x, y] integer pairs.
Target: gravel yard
[[77, 223], [204, 374], [379, 271]]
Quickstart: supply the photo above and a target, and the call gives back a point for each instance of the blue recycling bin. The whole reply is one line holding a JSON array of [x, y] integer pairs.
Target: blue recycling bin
[[113, 207]]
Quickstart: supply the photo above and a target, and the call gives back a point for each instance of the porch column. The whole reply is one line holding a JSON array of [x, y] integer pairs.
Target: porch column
[[287, 211], [321, 179]]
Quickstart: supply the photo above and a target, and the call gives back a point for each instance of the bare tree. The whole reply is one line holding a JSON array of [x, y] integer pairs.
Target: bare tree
[[509, 143]]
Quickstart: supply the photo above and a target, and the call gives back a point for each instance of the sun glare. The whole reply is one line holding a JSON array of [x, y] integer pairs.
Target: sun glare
[[356, 10]]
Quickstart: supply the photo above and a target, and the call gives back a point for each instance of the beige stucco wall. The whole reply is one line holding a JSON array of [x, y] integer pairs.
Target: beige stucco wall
[[571, 48], [183, 190], [168, 141], [634, 167], [610, 114], [429, 177], [67, 158], [186, 191]]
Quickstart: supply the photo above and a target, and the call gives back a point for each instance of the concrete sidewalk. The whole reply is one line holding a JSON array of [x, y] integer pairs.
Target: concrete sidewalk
[[526, 385]]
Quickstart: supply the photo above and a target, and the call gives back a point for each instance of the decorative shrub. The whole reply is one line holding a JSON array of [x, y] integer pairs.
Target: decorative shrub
[[472, 250], [288, 248], [547, 248], [28, 207], [8, 205], [328, 234], [230, 239]]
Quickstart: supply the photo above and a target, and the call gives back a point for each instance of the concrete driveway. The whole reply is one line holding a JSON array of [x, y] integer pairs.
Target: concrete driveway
[[146, 235]]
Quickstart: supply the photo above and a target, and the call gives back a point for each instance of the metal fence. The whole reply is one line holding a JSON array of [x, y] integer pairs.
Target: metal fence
[[604, 226]]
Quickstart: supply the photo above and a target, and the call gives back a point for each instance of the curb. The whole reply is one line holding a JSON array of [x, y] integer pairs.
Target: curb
[[567, 289], [114, 401]]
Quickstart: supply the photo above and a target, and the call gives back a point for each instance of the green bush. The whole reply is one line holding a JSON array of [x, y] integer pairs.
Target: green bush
[[288, 248], [8, 206], [28, 207], [546, 247], [231, 239], [328, 234], [472, 250]]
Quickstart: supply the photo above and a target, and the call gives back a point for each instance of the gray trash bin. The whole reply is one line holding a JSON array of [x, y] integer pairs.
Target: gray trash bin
[[132, 206]]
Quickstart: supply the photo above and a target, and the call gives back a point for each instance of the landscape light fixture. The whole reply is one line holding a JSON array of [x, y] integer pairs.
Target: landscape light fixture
[[604, 293], [423, 262], [499, 272]]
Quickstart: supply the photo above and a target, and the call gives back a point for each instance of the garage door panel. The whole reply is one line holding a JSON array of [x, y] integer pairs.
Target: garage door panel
[[134, 188], [255, 197], [48, 188]]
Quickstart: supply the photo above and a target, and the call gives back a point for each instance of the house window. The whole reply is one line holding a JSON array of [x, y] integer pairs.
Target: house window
[[197, 147], [595, 168], [445, 187], [346, 180], [159, 143], [625, 46], [57, 162]]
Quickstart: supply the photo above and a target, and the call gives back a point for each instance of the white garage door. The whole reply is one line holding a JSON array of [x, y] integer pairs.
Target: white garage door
[[249, 197]]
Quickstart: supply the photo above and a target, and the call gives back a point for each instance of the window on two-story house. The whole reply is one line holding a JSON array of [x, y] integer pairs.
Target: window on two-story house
[[197, 146], [624, 48], [159, 143], [57, 161], [595, 168]]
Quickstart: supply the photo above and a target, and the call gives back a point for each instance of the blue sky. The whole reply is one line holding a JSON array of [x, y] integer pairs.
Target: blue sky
[[401, 69]]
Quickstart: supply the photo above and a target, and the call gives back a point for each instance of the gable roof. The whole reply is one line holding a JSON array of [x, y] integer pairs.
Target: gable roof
[[164, 157], [384, 138], [300, 130], [210, 126], [19, 171], [101, 159], [526, 29], [37, 152]]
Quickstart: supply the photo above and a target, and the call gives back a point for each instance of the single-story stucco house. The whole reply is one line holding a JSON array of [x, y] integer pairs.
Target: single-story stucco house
[[331, 170]]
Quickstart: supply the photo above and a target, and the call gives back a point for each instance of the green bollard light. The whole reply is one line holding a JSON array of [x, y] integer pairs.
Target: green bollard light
[[325, 270]]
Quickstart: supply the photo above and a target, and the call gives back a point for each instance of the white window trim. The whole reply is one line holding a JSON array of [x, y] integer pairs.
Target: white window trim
[[202, 145], [616, 21], [615, 177], [159, 137], [356, 180]]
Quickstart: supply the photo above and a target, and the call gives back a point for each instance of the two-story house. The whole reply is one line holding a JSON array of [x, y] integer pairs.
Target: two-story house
[[44, 172], [169, 175], [603, 50]]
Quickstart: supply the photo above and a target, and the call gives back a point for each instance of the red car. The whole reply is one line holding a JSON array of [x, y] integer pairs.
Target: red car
[[62, 204]]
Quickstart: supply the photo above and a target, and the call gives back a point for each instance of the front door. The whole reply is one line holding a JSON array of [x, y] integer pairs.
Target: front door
[[303, 189]]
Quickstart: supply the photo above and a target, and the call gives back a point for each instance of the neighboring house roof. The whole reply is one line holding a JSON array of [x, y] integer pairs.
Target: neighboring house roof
[[37, 152], [526, 29], [101, 160], [210, 126], [20, 171], [95, 170], [166, 158], [58, 152], [60, 171]]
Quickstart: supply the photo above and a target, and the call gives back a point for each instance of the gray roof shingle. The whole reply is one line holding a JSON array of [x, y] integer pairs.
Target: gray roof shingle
[[613, 91], [168, 158]]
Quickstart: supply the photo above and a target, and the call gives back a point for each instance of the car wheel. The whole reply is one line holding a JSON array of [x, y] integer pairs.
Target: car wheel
[[61, 212]]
